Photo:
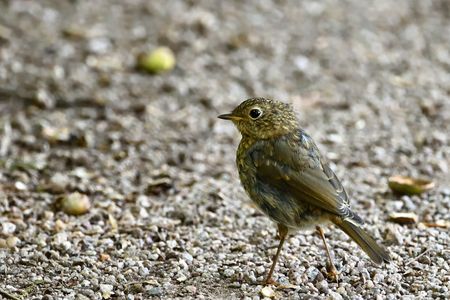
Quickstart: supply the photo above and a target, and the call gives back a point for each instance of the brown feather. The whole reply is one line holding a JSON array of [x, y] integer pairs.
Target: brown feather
[[377, 253]]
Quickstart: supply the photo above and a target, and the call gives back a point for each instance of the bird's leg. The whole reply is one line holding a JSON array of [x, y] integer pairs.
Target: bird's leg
[[333, 273], [282, 233]]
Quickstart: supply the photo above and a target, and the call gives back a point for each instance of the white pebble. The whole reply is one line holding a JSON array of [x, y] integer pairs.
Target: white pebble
[[191, 289], [228, 272], [107, 290], [171, 244], [267, 292], [260, 270], [181, 278], [334, 296], [19, 185], [8, 228], [60, 238], [188, 257]]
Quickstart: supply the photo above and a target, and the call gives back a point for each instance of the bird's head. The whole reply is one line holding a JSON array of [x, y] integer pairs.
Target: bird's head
[[262, 118]]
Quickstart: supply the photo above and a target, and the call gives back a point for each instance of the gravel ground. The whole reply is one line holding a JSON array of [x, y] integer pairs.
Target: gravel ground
[[168, 217]]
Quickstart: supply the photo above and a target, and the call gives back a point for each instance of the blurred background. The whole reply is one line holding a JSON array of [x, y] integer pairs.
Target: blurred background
[[118, 181]]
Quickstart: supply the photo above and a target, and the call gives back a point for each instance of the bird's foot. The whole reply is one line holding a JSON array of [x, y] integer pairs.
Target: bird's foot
[[269, 281], [332, 273]]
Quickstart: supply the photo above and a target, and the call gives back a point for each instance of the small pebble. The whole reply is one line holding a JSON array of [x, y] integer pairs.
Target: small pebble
[[8, 228], [322, 286], [20, 186], [228, 272], [154, 291], [312, 273], [53, 134], [341, 290], [59, 225], [268, 292], [106, 290], [260, 270], [393, 236], [12, 241], [334, 296], [181, 278], [104, 257], [378, 277], [250, 276], [171, 243], [99, 45], [424, 259], [188, 258], [60, 238], [58, 183], [191, 289]]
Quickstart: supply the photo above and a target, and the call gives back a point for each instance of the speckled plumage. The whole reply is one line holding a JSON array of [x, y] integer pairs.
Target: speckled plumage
[[268, 169], [284, 174]]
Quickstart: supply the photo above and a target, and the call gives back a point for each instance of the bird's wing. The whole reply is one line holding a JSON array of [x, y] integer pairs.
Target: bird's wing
[[292, 164]]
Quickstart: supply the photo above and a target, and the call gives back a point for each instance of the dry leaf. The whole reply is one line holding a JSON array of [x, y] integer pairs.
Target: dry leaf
[[409, 186], [404, 218], [437, 224]]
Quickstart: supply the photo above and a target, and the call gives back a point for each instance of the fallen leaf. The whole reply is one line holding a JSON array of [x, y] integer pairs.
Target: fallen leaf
[[409, 186], [403, 218], [437, 224]]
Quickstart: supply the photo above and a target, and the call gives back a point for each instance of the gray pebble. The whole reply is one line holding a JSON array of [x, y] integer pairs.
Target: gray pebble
[[228, 272], [154, 291], [312, 273], [334, 296]]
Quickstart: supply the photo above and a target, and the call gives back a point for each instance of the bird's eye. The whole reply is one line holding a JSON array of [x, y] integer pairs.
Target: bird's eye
[[255, 113]]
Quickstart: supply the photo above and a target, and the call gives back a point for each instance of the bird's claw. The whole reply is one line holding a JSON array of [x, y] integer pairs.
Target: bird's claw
[[333, 274], [270, 281]]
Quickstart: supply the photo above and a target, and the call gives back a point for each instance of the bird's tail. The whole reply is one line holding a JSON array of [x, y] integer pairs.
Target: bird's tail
[[377, 253]]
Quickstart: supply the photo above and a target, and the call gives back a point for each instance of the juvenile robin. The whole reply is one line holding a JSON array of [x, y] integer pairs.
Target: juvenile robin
[[284, 174]]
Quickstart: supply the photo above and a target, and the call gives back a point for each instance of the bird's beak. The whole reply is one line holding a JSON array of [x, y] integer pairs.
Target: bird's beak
[[229, 117]]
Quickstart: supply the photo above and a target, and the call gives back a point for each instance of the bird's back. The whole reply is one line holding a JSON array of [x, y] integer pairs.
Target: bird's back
[[287, 179]]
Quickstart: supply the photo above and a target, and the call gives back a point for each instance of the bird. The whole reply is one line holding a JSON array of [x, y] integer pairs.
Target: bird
[[284, 174]]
